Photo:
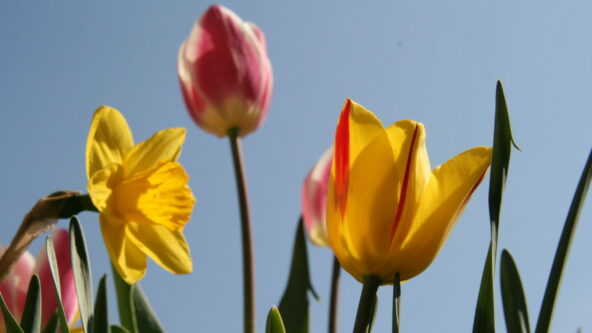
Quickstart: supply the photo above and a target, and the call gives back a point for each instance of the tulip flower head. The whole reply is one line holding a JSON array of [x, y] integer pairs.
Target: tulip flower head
[[141, 193], [14, 288], [225, 74], [314, 199], [388, 212]]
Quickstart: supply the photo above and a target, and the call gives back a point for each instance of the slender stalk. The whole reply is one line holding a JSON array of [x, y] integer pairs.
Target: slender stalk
[[366, 305], [246, 234], [334, 296], [396, 302]]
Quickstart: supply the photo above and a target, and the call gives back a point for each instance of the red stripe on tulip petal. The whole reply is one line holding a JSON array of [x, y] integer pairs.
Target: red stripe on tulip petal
[[403, 194], [342, 158]]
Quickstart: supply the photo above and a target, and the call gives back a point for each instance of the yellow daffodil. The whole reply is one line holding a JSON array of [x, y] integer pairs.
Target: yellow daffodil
[[388, 212], [141, 193]]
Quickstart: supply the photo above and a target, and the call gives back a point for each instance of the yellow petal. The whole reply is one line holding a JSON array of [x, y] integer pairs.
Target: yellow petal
[[447, 193], [164, 145], [168, 248], [101, 185], [127, 258], [109, 139]]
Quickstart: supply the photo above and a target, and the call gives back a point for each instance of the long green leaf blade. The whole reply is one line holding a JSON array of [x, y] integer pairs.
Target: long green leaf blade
[[101, 313], [53, 267], [11, 325], [82, 273], [125, 302], [31, 320], [484, 321], [145, 316], [544, 320], [52, 324], [119, 329], [274, 323], [515, 309], [294, 305]]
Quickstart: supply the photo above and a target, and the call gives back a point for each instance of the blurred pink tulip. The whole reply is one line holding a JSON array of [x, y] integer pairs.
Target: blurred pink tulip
[[225, 74], [14, 288], [314, 198]]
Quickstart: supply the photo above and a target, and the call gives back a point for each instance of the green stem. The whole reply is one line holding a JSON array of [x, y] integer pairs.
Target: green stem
[[367, 304], [334, 296], [396, 302], [247, 237]]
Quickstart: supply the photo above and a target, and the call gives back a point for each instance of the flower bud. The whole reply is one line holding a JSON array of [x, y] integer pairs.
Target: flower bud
[[224, 72], [314, 199]]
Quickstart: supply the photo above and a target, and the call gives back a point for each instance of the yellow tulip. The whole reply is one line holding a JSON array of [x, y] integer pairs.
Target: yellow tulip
[[141, 193], [388, 212]]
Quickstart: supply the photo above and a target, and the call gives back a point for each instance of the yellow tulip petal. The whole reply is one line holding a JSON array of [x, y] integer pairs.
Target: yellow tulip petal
[[109, 139], [167, 247], [165, 145], [446, 195], [127, 258]]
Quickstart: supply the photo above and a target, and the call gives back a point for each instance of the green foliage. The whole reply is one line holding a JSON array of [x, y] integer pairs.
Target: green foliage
[[31, 320], [546, 312], [515, 309], [294, 305], [274, 323], [11, 325], [82, 273], [101, 313], [53, 266]]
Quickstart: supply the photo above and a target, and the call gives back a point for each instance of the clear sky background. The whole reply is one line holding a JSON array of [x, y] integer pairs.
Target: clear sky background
[[432, 61]]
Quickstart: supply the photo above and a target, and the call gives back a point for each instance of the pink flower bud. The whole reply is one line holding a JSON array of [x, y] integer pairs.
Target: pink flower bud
[[225, 75], [314, 198], [14, 288]]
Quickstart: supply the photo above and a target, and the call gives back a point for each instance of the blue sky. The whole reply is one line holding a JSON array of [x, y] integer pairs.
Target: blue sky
[[435, 62]]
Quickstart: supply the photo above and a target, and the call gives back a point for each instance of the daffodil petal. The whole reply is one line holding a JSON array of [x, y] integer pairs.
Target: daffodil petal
[[127, 258], [164, 145], [445, 197], [101, 184], [167, 247], [109, 139]]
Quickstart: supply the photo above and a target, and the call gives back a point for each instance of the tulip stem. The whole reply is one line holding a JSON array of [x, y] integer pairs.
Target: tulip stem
[[366, 307], [334, 296], [247, 237], [396, 302]]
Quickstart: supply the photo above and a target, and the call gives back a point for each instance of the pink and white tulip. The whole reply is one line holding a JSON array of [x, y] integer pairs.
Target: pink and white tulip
[[14, 288], [314, 199], [225, 74]]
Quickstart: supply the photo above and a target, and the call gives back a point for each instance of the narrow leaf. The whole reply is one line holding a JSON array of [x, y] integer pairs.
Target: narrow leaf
[[82, 273], [544, 320], [515, 309], [119, 329], [53, 267], [484, 321], [274, 323], [31, 321], [52, 324], [11, 325], [294, 305], [145, 316], [101, 313], [125, 302]]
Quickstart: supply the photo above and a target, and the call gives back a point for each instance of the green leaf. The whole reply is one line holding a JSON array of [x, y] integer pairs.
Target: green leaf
[[11, 325], [515, 309], [101, 314], [274, 323], [82, 273], [125, 302], [31, 320], [52, 324], [53, 267], [484, 321], [119, 329], [544, 320], [294, 304], [145, 316]]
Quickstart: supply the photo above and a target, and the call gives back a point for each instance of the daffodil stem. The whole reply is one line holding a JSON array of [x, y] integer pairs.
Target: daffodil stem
[[367, 304], [247, 237], [396, 302], [334, 296]]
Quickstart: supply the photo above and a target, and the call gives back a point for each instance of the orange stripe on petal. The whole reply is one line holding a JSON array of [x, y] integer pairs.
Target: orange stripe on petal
[[403, 195], [342, 158]]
